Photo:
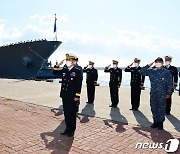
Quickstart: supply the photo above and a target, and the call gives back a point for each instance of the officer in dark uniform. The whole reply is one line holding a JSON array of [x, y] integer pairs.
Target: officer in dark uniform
[[80, 68], [70, 91], [137, 83], [115, 82], [91, 80], [174, 72]]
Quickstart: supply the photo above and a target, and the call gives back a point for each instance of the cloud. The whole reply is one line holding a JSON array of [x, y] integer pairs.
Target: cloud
[[8, 35], [124, 46], [49, 18], [149, 27]]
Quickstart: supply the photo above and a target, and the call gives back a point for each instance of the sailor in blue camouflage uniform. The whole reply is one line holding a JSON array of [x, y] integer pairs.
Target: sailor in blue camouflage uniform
[[161, 89], [137, 83], [115, 82], [174, 72], [70, 91], [91, 81]]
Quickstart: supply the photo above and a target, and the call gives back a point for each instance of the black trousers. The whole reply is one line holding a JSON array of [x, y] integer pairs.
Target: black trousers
[[69, 107], [168, 104], [90, 92], [114, 92], [135, 96]]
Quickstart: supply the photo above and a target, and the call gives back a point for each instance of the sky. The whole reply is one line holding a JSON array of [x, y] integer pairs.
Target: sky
[[97, 30]]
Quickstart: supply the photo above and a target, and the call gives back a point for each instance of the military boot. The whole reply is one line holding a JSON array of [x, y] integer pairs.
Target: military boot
[[155, 124], [160, 125]]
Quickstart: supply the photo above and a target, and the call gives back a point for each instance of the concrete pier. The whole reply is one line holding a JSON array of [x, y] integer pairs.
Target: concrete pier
[[47, 94]]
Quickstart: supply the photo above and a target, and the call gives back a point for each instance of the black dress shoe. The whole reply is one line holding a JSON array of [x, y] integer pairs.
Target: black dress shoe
[[160, 125], [154, 125], [167, 113], [89, 102], [113, 106], [71, 134], [64, 133], [131, 109]]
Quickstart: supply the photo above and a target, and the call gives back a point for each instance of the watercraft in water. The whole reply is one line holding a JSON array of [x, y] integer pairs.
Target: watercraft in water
[[23, 60]]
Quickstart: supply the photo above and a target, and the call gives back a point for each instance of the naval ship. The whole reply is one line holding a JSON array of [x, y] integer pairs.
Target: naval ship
[[23, 60]]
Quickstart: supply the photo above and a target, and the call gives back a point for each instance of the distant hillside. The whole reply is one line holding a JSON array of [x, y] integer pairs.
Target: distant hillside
[[102, 68]]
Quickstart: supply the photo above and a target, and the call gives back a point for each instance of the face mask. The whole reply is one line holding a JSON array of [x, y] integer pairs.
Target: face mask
[[90, 66], [136, 64], [168, 63], [158, 65], [68, 63], [114, 66]]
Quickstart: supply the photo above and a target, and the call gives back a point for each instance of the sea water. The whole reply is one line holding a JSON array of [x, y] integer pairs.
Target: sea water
[[103, 79]]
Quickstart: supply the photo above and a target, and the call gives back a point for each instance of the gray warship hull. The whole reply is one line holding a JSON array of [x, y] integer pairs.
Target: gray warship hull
[[23, 60]]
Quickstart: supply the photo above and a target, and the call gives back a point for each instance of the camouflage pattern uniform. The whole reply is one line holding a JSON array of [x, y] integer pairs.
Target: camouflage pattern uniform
[[161, 85]]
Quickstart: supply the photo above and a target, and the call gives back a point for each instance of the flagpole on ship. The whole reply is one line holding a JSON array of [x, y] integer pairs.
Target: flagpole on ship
[[55, 29]]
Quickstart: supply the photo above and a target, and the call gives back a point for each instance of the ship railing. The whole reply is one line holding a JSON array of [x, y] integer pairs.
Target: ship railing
[[23, 42]]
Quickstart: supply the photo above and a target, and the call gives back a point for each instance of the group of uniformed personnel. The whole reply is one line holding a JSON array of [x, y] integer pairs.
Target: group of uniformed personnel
[[163, 82]]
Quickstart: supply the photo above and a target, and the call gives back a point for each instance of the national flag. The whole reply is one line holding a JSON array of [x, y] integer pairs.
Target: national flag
[[55, 24]]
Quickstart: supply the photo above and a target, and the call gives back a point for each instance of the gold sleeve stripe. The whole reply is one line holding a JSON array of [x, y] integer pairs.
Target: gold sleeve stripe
[[77, 94], [56, 69]]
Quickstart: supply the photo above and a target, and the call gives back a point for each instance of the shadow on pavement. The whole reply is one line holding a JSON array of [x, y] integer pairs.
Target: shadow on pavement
[[116, 116], [174, 121], [119, 127], [87, 111], [153, 135], [55, 142], [57, 111], [141, 118]]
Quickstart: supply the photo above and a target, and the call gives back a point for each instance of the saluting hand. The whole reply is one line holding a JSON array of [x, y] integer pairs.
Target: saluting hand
[[108, 66], [131, 64], [61, 62], [151, 63]]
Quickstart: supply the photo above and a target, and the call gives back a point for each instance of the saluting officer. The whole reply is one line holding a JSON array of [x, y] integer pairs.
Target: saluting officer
[[80, 68], [161, 89], [115, 82], [91, 80], [70, 91], [174, 72], [137, 83]]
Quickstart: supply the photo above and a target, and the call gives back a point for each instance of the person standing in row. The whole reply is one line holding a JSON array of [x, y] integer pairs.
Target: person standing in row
[[91, 80], [161, 89], [80, 68], [174, 72], [115, 82], [179, 84], [70, 91], [137, 83]]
